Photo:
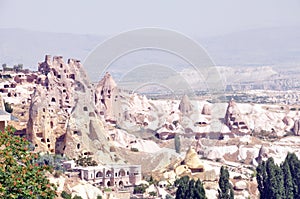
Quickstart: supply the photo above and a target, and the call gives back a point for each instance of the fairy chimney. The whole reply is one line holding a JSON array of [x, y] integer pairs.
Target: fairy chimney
[[185, 106]]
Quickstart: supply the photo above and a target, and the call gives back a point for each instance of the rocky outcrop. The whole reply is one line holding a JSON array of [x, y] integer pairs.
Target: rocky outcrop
[[62, 115], [185, 105], [105, 96], [296, 128], [262, 155], [206, 110], [234, 120]]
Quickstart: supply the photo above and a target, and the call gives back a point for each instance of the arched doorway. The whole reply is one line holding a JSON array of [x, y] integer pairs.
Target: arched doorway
[[121, 184], [99, 174], [108, 173], [122, 172], [108, 184]]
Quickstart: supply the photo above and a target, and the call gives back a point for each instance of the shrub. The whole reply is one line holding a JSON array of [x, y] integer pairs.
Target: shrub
[[20, 177], [77, 197], [65, 195], [140, 189], [134, 149]]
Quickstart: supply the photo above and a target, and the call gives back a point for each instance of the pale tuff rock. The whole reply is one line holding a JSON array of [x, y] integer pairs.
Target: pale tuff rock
[[206, 110], [185, 106], [119, 107], [62, 116], [296, 128], [263, 154], [234, 119], [106, 94], [192, 160], [240, 185]]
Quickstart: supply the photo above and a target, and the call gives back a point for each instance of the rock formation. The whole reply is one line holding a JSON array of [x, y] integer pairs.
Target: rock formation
[[234, 120], [185, 105], [62, 116], [262, 154], [296, 128], [206, 110], [105, 96]]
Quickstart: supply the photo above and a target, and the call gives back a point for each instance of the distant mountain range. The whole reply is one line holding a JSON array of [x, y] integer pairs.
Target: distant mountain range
[[259, 47]]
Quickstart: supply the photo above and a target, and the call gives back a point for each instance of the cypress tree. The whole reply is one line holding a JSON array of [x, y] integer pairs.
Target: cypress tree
[[288, 180], [199, 190], [275, 188], [261, 178], [177, 143], [294, 165], [189, 189], [225, 189]]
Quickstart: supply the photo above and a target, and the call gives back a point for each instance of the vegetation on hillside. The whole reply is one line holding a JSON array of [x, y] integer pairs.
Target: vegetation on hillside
[[279, 181], [225, 188], [20, 177], [189, 189]]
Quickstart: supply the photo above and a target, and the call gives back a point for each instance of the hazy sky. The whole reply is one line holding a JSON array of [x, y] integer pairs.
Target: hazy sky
[[196, 17]]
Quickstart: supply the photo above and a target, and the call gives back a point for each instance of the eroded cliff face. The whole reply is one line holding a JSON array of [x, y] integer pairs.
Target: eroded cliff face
[[62, 117]]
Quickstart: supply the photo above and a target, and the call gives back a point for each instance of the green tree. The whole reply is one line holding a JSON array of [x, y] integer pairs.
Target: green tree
[[225, 189], [85, 161], [140, 189], [270, 180], [294, 166], [261, 176], [189, 189], [19, 176], [288, 180], [177, 143]]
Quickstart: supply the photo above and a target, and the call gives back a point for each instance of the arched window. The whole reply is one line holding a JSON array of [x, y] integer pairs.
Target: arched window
[[108, 173], [99, 174], [122, 172]]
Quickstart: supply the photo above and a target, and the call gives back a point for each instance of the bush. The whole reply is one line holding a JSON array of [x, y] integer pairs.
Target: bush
[[85, 161], [140, 189], [65, 195], [152, 193], [134, 150], [20, 177], [77, 197], [57, 174]]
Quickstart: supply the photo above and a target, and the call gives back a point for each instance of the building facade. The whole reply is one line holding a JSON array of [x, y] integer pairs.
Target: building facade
[[112, 175]]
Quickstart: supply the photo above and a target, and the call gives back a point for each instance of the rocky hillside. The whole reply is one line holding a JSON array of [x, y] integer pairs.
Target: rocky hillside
[[62, 116]]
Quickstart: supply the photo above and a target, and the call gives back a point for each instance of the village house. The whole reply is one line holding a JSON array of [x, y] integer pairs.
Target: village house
[[109, 175]]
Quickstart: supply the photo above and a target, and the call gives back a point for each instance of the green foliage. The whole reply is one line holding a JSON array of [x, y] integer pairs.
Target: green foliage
[[19, 176], [189, 189], [77, 197], [140, 189], [282, 181], [225, 191], [134, 150], [152, 193], [8, 107], [177, 143], [107, 189], [85, 161], [99, 197], [288, 180], [169, 196], [54, 161], [66, 195]]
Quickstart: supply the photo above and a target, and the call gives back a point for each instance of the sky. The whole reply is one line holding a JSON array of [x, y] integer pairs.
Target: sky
[[195, 17]]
